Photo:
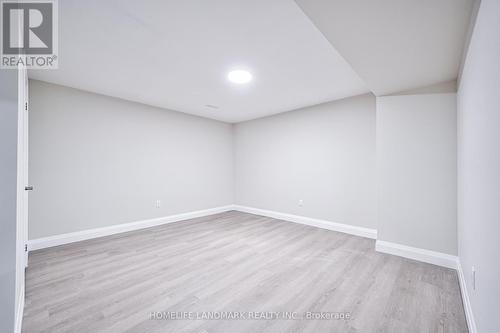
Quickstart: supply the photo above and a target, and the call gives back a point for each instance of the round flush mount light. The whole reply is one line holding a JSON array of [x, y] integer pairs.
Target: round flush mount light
[[239, 76]]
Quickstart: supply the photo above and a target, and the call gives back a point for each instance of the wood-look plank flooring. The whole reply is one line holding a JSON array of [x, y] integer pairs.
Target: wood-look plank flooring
[[236, 262]]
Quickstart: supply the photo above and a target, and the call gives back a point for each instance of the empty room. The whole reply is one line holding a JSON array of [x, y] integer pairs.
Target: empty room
[[250, 166]]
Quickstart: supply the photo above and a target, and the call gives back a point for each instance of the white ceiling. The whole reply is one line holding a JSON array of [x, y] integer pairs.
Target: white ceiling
[[176, 55], [395, 45]]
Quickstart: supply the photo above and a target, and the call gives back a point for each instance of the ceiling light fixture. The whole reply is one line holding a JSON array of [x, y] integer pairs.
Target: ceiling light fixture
[[239, 76]]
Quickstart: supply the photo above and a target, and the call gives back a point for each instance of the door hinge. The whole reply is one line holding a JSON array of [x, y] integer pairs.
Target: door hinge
[[25, 247], [26, 106]]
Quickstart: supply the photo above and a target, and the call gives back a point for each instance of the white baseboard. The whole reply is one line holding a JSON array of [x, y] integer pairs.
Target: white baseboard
[[471, 323], [45, 242], [345, 228], [415, 253], [19, 312], [41, 243]]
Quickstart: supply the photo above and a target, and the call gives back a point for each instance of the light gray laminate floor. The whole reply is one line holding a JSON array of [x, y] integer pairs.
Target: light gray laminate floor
[[236, 262]]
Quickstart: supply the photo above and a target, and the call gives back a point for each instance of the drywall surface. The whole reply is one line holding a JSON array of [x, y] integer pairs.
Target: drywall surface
[[479, 167], [323, 155], [8, 197], [97, 161], [416, 167], [439, 88]]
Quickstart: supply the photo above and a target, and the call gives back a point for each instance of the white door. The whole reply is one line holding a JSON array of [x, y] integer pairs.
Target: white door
[[27, 187], [22, 171], [22, 193]]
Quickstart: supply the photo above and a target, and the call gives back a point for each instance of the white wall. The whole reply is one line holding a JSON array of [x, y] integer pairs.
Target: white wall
[[438, 88], [479, 167], [8, 194], [97, 161], [323, 155], [416, 167]]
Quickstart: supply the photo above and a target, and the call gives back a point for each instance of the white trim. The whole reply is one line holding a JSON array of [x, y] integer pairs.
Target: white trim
[[415, 253], [471, 323], [41, 243], [45, 242], [19, 313], [340, 227]]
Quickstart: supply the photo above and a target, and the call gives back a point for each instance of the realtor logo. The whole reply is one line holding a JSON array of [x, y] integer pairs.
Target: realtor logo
[[29, 34]]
